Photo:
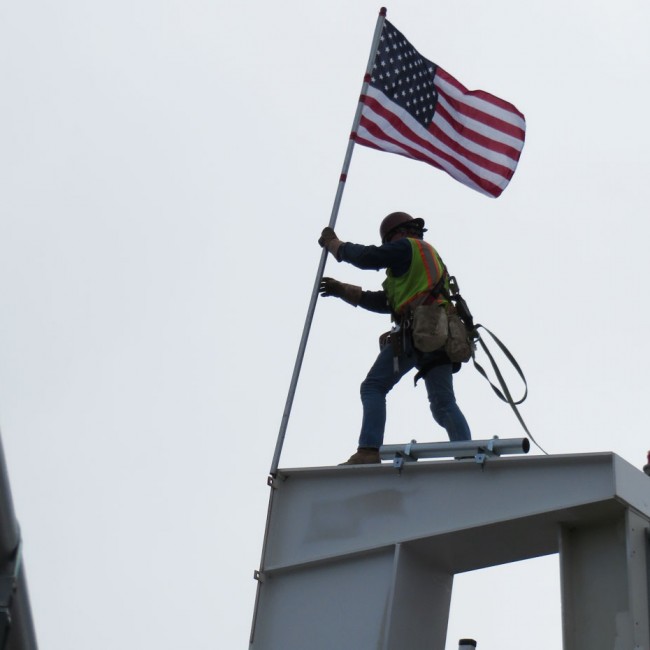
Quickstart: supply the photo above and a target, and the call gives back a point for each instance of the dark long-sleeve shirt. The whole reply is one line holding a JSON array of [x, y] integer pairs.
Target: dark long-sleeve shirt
[[395, 256]]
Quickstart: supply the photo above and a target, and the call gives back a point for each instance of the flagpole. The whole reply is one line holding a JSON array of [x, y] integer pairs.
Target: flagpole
[[321, 266]]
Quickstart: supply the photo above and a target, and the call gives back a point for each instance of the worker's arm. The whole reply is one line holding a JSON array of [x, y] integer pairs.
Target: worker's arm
[[374, 301], [355, 295], [395, 256]]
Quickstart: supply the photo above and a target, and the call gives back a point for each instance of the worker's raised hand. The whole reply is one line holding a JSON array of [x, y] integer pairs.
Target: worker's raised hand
[[330, 241], [347, 292], [326, 236]]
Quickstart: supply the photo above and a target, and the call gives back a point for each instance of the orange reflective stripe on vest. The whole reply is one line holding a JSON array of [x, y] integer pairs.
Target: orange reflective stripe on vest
[[423, 274]]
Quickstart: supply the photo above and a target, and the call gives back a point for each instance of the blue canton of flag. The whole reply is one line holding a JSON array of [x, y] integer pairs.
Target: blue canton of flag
[[414, 108]]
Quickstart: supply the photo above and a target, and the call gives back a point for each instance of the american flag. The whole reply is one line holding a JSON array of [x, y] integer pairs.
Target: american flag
[[414, 108]]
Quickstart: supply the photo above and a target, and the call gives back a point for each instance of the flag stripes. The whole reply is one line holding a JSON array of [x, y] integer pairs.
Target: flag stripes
[[416, 109], [396, 131]]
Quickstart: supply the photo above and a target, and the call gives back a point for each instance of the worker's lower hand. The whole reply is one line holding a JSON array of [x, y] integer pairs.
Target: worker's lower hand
[[330, 241], [331, 287], [347, 292]]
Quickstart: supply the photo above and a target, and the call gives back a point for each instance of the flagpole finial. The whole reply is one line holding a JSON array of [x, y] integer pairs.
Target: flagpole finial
[[382, 11]]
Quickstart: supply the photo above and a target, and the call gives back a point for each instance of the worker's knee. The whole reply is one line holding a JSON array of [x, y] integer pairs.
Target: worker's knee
[[373, 386], [442, 406]]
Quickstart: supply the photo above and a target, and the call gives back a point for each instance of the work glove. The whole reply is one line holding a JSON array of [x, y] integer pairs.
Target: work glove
[[349, 293], [330, 241]]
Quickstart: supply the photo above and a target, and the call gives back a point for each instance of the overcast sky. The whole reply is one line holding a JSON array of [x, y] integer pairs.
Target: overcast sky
[[165, 170]]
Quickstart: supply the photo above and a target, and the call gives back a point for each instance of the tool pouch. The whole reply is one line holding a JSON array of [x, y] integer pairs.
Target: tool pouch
[[430, 327], [459, 347]]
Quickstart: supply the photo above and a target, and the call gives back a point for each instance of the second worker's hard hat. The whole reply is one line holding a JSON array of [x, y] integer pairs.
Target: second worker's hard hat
[[394, 220]]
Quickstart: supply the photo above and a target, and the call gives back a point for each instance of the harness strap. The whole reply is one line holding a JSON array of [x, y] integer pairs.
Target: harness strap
[[497, 372], [423, 371], [505, 395]]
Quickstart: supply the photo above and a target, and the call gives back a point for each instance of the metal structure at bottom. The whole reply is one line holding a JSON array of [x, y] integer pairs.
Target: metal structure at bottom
[[16, 625], [466, 644], [364, 557]]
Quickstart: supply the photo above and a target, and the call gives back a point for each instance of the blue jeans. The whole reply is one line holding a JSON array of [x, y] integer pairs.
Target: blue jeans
[[440, 391]]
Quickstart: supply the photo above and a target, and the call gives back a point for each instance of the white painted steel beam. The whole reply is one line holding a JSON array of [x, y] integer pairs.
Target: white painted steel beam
[[364, 556]]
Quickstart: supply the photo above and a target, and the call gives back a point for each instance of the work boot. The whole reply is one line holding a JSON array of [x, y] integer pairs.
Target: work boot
[[364, 456]]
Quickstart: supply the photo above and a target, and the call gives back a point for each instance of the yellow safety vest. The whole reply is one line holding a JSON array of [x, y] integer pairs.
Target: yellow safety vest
[[424, 273]]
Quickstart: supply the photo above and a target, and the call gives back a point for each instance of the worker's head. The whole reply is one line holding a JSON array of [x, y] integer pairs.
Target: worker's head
[[401, 224]]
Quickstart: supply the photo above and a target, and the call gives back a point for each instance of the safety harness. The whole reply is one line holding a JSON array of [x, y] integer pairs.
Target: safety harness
[[452, 294]]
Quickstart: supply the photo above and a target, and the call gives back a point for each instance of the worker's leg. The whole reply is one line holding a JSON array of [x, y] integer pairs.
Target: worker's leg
[[381, 378], [440, 389]]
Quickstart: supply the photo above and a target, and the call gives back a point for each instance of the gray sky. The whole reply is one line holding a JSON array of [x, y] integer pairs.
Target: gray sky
[[166, 168]]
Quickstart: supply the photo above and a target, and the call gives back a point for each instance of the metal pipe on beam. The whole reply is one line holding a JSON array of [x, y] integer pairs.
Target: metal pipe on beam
[[466, 448]]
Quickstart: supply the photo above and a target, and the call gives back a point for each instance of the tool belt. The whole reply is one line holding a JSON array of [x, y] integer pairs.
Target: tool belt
[[434, 326], [445, 326]]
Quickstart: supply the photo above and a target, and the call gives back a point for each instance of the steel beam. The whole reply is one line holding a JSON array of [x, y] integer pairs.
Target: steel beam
[[364, 556]]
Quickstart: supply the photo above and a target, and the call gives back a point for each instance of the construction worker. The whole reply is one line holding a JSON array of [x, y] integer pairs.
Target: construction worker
[[415, 275]]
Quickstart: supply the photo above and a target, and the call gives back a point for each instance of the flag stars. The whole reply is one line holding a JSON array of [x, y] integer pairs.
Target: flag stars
[[404, 91], [404, 75]]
